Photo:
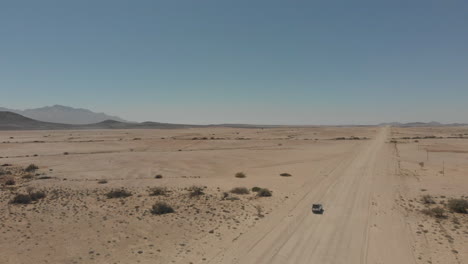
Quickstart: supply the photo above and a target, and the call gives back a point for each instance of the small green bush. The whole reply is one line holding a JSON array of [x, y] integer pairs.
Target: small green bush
[[458, 205], [160, 208], [240, 190], [118, 194]]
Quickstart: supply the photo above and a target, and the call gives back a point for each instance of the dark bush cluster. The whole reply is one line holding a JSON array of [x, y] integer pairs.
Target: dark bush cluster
[[21, 199], [28, 198], [284, 174], [159, 176]]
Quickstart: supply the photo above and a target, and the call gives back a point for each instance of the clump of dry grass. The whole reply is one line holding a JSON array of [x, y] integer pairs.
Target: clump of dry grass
[[285, 174], [160, 208], [103, 181], [195, 191], [427, 199], [240, 190], [31, 168], [437, 212], [158, 191], [122, 193], [10, 181], [159, 176], [240, 175]]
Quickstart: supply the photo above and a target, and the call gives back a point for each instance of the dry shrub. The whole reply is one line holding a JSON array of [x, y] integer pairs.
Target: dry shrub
[[285, 174], [458, 205], [118, 194], [21, 199], [195, 191], [160, 208], [28, 198], [427, 199], [264, 192], [256, 189], [35, 196], [437, 212], [240, 175], [10, 181], [31, 168], [240, 190], [158, 191]]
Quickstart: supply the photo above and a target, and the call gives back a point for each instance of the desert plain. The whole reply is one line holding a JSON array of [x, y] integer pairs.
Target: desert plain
[[378, 187]]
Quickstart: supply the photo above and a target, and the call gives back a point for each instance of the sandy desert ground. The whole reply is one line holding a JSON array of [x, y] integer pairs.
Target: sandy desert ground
[[378, 186]]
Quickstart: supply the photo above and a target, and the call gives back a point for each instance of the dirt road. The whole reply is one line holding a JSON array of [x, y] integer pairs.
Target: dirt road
[[361, 223]]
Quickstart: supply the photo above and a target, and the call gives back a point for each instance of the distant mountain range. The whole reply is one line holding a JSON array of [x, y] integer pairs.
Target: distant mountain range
[[10, 120], [64, 115], [14, 121]]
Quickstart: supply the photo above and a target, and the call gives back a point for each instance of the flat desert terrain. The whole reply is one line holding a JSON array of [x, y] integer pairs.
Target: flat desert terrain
[[386, 193]]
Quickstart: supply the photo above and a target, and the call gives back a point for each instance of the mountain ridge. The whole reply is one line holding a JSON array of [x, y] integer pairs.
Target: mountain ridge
[[64, 115], [14, 121]]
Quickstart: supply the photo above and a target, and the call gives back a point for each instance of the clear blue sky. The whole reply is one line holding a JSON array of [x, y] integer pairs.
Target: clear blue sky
[[266, 62]]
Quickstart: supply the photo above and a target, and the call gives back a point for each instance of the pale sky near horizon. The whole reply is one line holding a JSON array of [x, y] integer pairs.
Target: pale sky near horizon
[[263, 62]]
